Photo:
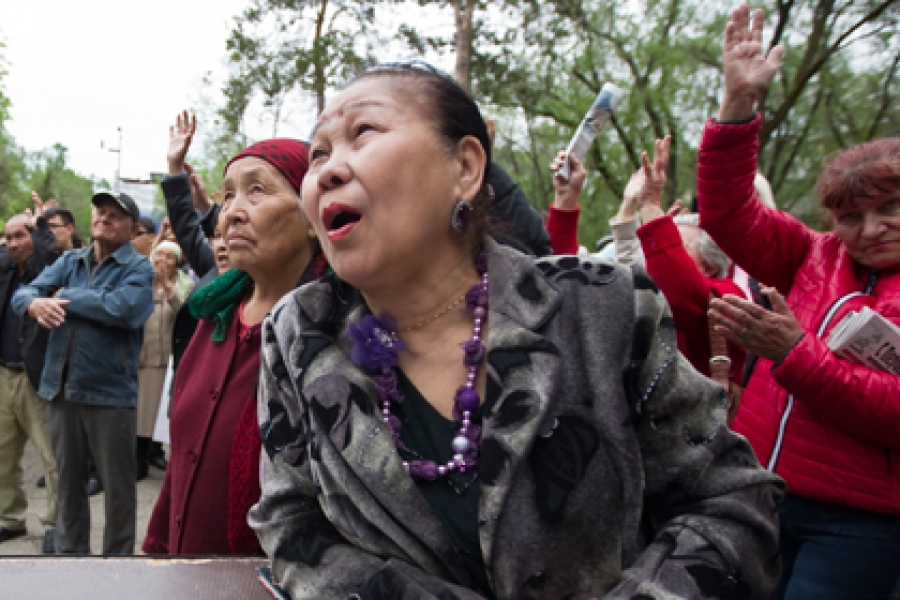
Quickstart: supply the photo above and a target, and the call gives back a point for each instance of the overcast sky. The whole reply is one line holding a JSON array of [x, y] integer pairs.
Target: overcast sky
[[79, 69]]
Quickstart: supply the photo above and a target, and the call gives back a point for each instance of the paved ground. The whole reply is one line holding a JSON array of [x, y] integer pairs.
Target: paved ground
[[148, 490]]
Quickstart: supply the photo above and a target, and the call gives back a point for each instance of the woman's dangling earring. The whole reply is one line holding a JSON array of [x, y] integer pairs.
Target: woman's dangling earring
[[462, 214]]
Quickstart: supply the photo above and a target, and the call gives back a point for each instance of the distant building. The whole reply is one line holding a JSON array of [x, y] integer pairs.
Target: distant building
[[143, 191]]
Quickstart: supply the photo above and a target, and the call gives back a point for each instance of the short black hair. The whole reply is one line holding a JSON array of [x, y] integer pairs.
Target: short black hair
[[64, 214]]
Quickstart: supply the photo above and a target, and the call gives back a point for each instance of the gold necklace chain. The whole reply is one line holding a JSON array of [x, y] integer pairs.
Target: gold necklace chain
[[433, 317]]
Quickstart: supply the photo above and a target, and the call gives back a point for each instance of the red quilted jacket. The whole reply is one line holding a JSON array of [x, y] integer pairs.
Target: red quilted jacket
[[838, 440]]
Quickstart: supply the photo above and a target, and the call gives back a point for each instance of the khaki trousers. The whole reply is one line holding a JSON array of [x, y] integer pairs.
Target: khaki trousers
[[23, 416]]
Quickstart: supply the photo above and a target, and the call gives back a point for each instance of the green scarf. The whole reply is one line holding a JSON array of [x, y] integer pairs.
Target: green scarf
[[217, 300]]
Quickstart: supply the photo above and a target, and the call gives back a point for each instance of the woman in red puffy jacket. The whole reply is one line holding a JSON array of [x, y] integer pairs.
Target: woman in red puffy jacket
[[831, 428]]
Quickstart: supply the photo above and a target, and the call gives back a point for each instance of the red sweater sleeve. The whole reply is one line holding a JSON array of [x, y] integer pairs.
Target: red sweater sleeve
[[767, 243], [687, 291], [562, 225]]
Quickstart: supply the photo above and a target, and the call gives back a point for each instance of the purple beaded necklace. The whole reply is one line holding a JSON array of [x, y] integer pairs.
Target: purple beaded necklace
[[376, 348]]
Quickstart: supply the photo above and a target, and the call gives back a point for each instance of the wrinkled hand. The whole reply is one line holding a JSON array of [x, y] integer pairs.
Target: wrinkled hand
[[180, 137], [748, 71], [566, 193], [768, 333], [646, 186], [198, 190], [39, 206], [48, 312], [675, 209], [166, 231]]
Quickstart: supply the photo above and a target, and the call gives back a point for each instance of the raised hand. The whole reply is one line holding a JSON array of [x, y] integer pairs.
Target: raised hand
[[39, 205], [198, 190], [180, 137], [644, 191], [165, 233], [675, 209], [566, 192], [748, 71]]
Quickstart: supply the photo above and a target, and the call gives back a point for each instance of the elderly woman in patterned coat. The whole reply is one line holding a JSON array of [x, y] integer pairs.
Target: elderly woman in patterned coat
[[564, 449]]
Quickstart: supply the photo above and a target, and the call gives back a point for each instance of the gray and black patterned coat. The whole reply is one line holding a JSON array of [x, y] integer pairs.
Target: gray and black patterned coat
[[605, 468]]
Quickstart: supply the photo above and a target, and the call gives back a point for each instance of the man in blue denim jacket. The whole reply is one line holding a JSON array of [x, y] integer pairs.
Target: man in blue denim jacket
[[95, 302]]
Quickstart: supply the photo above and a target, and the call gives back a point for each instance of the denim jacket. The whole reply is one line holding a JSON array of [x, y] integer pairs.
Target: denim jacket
[[101, 338]]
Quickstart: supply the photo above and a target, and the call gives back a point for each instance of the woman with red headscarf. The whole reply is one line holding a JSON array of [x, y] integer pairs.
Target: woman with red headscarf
[[213, 475]]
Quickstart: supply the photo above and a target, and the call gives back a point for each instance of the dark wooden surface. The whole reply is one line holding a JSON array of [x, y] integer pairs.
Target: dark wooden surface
[[138, 578]]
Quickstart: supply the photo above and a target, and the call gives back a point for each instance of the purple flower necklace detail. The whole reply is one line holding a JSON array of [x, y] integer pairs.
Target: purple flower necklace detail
[[376, 348]]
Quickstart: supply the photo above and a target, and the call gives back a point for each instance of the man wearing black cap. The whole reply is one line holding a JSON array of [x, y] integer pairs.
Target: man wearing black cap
[[95, 301]]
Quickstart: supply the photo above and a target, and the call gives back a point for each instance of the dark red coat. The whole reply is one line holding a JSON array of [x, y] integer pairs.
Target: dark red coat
[[213, 475], [840, 442]]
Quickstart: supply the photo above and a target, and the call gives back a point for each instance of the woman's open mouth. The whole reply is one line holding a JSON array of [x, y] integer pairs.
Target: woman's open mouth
[[339, 220]]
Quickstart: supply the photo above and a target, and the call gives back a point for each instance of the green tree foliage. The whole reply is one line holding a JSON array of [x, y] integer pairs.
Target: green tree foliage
[[45, 172], [557, 54], [50, 177], [537, 65], [12, 165], [279, 47]]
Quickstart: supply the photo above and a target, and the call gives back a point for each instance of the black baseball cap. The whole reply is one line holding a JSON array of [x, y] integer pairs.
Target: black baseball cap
[[123, 200]]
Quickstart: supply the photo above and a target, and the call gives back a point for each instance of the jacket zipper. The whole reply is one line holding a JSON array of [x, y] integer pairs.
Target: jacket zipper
[[782, 425]]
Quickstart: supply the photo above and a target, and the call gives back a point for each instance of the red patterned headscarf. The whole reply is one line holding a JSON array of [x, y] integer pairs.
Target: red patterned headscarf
[[290, 157]]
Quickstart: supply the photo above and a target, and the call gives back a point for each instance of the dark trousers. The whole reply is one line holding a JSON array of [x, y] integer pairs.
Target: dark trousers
[[832, 552], [109, 432]]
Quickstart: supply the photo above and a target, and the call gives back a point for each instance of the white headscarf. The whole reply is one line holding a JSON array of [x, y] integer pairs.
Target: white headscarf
[[169, 246]]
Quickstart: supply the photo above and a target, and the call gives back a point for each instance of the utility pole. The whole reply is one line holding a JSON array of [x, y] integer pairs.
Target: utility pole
[[117, 184]]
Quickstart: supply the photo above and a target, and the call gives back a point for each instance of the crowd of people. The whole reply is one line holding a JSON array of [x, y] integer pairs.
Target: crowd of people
[[394, 378]]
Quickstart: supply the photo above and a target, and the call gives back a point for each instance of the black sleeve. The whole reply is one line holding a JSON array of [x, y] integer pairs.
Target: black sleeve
[[519, 225], [186, 223], [44, 248], [210, 220]]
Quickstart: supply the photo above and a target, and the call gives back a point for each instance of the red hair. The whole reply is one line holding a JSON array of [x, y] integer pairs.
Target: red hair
[[865, 171]]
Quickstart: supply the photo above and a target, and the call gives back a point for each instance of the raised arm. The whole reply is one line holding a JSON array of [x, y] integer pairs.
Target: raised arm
[[44, 242], [667, 260], [768, 244], [179, 193], [710, 505], [310, 557], [624, 226], [562, 220]]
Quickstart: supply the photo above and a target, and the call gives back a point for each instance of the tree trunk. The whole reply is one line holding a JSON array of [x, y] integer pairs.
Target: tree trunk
[[463, 11], [319, 82]]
